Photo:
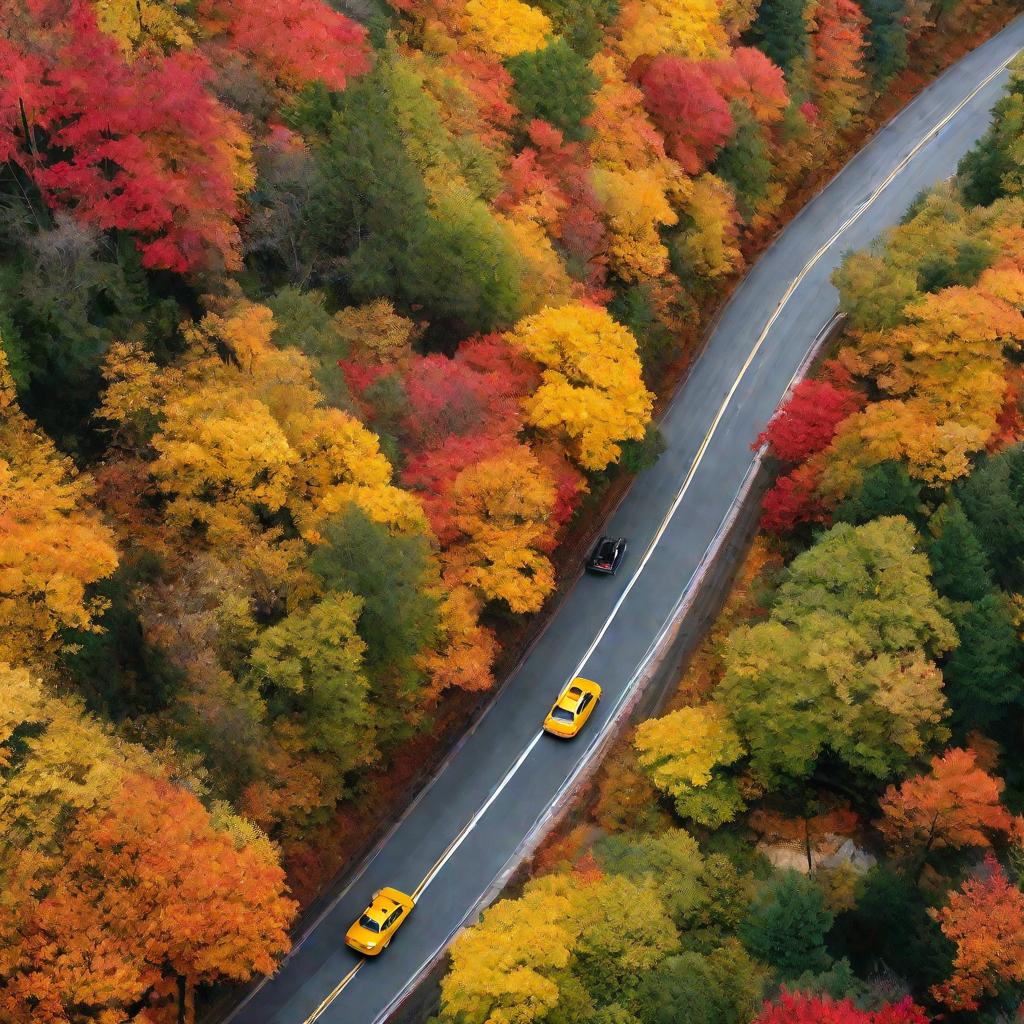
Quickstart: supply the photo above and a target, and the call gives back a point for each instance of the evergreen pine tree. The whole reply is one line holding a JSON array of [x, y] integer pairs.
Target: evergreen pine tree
[[885, 490], [983, 674], [959, 567], [780, 30]]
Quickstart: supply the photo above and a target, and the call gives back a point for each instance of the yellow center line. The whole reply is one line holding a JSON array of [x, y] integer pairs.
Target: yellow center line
[[814, 260], [333, 994], [472, 823], [698, 459], [418, 891], [705, 444]]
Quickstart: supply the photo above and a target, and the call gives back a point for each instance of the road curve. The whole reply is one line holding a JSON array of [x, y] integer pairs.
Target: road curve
[[497, 788]]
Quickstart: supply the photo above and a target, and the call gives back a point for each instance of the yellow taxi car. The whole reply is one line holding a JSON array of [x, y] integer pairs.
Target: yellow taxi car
[[379, 922], [574, 706]]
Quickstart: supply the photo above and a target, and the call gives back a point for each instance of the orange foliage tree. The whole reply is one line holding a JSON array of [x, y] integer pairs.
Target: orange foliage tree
[[51, 546], [956, 804], [837, 78], [944, 368], [985, 919], [691, 28], [466, 650], [151, 900]]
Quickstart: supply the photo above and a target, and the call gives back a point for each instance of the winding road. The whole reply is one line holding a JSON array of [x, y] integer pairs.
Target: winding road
[[498, 787]]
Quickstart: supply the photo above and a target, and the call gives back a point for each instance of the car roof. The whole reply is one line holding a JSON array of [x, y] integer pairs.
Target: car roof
[[571, 698], [381, 907]]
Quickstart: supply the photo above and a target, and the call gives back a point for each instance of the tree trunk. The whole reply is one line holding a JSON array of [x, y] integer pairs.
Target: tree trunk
[[923, 858], [186, 1000]]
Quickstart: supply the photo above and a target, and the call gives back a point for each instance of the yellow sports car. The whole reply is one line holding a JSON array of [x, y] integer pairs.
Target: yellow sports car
[[574, 706], [381, 919]]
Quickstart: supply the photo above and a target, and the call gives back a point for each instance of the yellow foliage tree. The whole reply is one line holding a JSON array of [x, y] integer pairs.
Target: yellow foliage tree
[[246, 328], [710, 245], [947, 331], [51, 546], [503, 27], [340, 461], [376, 329], [936, 433], [685, 746], [501, 968], [254, 434], [647, 28], [945, 367], [622, 926], [507, 969], [134, 391], [66, 763], [636, 182], [544, 278], [592, 389], [635, 206], [502, 508], [221, 460], [164, 24], [680, 753]]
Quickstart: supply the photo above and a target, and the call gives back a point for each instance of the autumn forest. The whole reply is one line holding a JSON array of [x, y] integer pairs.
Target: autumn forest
[[321, 332]]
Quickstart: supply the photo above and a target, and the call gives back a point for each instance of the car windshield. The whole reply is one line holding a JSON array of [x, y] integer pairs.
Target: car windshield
[[369, 924], [562, 715]]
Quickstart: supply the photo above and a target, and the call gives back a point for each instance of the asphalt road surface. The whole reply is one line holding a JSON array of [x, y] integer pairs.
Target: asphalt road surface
[[497, 788]]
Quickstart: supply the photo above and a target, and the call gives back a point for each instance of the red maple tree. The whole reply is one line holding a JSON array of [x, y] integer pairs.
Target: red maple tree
[[807, 422], [793, 499], [749, 76], [800, 1008], [291, 41], [691, 113], [139, 147]]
